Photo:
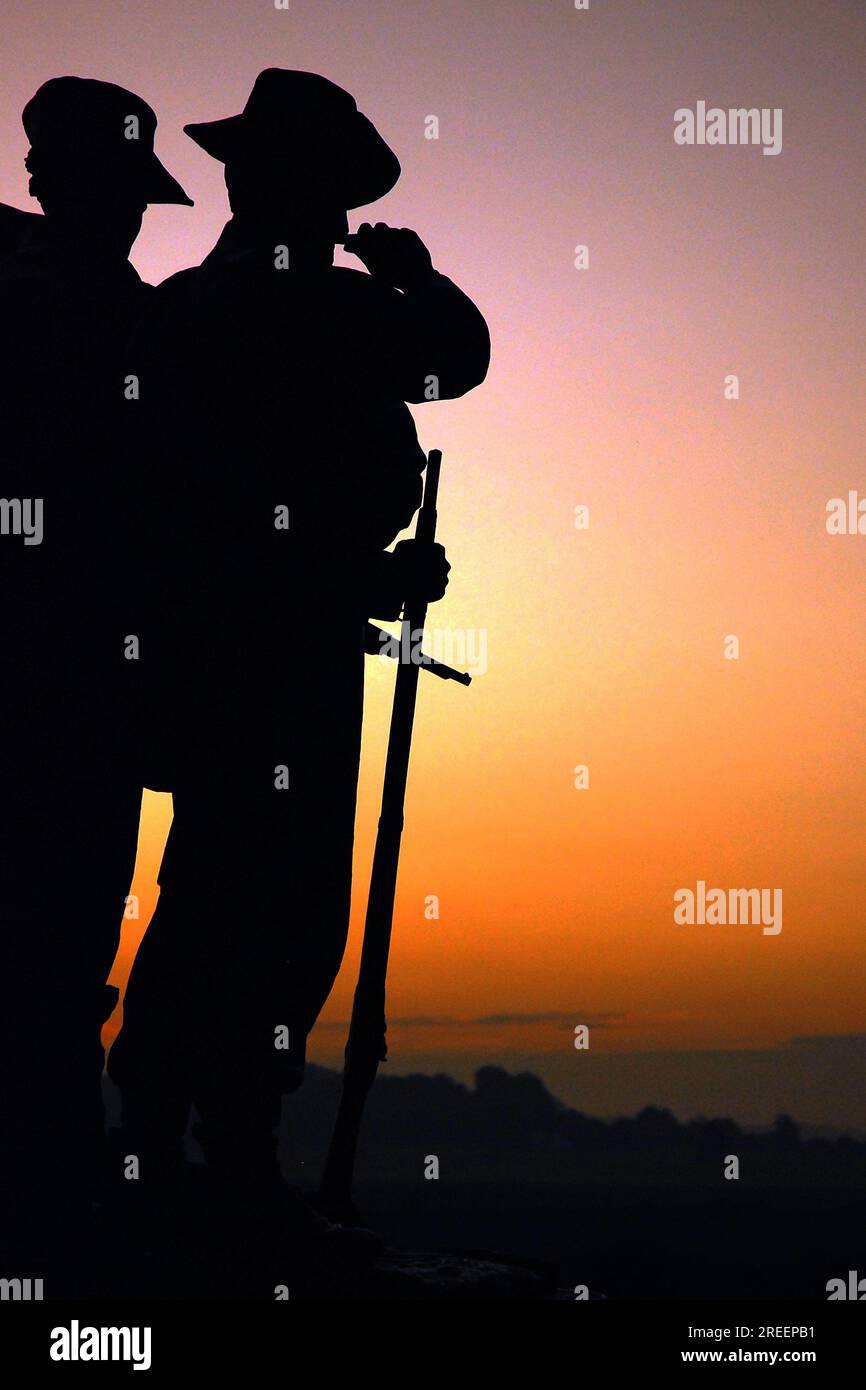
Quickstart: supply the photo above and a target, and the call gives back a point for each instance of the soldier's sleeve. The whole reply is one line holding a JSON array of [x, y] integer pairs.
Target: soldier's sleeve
[[441, 341]]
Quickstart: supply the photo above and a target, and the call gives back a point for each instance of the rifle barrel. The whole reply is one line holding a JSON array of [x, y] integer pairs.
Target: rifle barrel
[[367, 1046]]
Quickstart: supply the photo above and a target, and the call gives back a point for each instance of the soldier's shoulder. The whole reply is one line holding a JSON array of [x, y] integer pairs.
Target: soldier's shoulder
[[168, 303], [17, 227], [177, 287], [17, 266]]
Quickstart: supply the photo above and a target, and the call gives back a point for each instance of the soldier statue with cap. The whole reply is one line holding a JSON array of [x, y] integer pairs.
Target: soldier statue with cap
[[69, 787]]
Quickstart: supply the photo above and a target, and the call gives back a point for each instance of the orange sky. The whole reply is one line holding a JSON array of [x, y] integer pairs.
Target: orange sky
[[707, 516]]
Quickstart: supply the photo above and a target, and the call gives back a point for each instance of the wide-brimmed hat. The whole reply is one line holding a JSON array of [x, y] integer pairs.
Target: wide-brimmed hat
[[87, 123], [330, 149]]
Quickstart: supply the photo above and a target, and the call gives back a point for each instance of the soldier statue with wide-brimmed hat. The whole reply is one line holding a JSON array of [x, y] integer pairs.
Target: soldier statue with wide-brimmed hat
[[276, 385]]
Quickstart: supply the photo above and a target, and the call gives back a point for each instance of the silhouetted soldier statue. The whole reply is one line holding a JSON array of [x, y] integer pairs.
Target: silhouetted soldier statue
[[69, 790], [274, 387]]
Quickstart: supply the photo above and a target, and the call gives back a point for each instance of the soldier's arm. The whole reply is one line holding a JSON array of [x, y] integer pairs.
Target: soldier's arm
[[447, 345], [439, 339]]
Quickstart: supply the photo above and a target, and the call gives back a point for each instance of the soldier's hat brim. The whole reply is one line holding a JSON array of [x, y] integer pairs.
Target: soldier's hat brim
[[157, 185], [328, 146]]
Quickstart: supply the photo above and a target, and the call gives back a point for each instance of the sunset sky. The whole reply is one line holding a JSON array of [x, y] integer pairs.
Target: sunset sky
[[604, 646]]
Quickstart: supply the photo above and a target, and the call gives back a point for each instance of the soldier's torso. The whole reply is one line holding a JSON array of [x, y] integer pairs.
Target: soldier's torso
[[290, 380], [65, 329]]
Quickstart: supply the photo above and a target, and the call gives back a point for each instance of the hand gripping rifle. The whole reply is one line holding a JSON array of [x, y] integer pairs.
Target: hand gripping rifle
[[367, 1046]]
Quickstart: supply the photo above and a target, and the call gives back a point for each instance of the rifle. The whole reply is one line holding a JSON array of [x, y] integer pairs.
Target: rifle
[[367, 1046]]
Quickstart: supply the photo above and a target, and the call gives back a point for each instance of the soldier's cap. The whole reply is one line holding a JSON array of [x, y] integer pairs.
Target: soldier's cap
[[88, 123], [329, 148]]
